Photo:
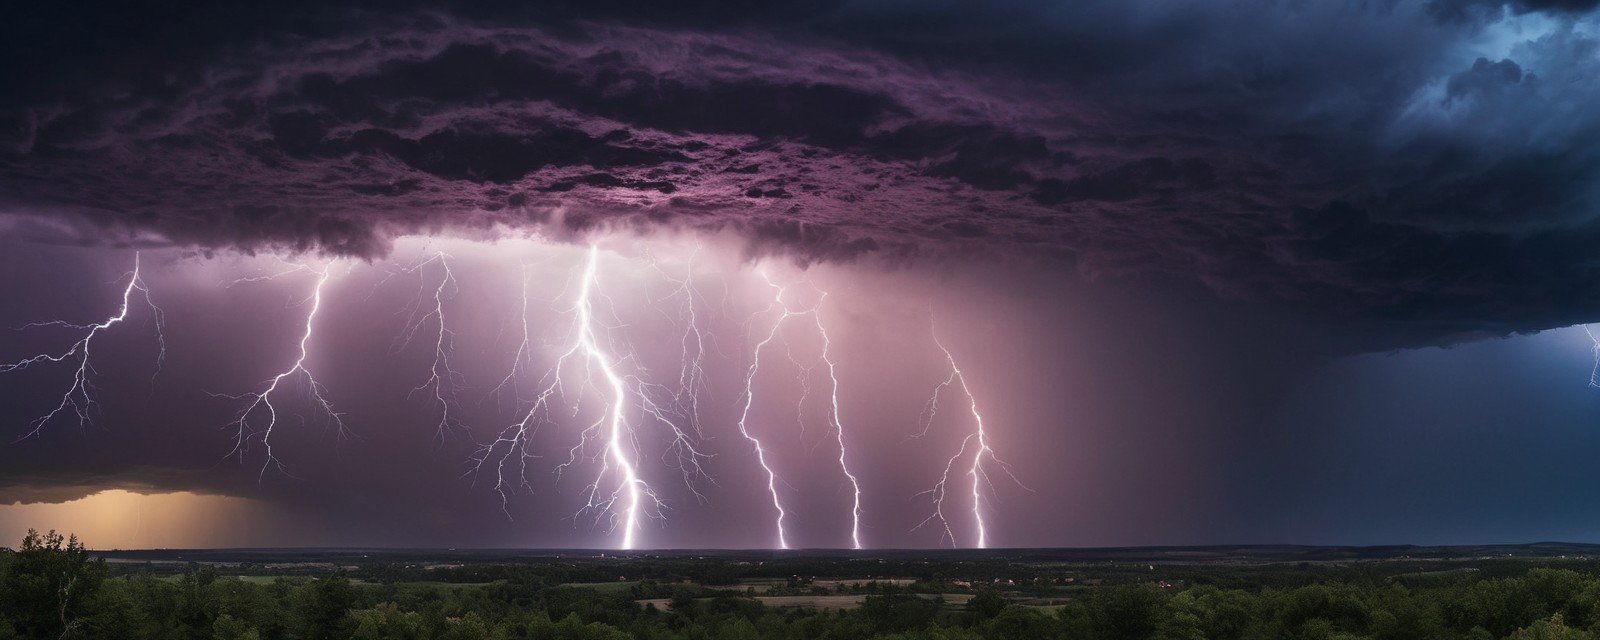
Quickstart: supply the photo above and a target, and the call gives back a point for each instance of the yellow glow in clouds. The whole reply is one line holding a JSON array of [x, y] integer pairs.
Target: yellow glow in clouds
[[117, 519]]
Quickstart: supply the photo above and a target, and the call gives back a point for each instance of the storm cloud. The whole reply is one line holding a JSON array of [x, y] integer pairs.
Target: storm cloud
[[1430, 165], [1146, 228]]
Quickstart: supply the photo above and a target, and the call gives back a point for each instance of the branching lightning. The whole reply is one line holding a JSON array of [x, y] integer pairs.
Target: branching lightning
[[1594, 373], [779, 304], [617, 434], [78, 398], [629, 498], [513, 446], [693, 342], [443, 382], [262, 400], [598, 381], [744, 416], [978, 441]]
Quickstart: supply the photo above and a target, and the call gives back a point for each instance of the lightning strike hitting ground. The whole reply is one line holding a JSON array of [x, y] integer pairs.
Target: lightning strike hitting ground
[[837, 425], [600, 370], [78, 397], [978, 440], [744, 416], [631, 489], [838, 428], [631, 497], [443, 383], [262, 400]]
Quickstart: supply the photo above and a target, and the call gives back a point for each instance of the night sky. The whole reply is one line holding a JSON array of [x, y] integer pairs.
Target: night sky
[[1225, 272]]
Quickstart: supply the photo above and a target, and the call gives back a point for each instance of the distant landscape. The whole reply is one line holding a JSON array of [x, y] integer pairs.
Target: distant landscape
[[51, 586]]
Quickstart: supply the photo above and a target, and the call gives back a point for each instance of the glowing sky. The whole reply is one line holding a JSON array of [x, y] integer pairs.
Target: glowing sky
[[1211, 272], [181, 520], [514, 454]]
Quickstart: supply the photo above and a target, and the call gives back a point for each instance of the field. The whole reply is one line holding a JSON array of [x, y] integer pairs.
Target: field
[[833, 603]]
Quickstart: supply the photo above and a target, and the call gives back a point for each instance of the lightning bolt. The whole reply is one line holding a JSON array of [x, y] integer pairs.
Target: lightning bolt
[[744, 417], [260, 401], [524, 353], [78, 398], [632, 487], [443, 382], [631, 498], [512, 446], [779, 304], [1594, 374], [978, 441], [693, 342]]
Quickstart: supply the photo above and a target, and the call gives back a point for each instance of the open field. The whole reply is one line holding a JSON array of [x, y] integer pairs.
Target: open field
[[833, 603]]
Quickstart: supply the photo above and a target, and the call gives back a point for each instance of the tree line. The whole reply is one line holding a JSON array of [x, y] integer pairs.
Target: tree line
[[51, 587]]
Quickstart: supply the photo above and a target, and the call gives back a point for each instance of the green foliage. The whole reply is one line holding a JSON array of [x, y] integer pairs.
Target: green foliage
[[230, 628], [1550, 629], [986, 603], [386, 622], [318, 608], [1130, 612], [47, 585], [51, 588], [1021, 622], [899, 612]]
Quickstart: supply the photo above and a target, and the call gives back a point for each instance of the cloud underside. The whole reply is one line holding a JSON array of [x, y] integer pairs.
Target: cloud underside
[[1406, 185]]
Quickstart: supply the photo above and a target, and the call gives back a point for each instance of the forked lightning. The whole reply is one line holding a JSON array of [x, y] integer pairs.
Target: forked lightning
[[78, 398], [978, 441], [619, 491], [262, 401], [779, 304]]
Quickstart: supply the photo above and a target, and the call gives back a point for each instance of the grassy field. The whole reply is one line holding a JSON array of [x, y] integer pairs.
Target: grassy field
[[763, 585], [603, 586], [861, 582], [269, 579]]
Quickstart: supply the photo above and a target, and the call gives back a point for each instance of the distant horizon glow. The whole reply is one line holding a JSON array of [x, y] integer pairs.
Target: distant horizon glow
[[124, 519]]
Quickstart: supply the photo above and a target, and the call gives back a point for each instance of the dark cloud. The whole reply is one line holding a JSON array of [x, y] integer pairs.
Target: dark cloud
[[1256, 186], [1374, 162], [1460, 10], [1483, 77]]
